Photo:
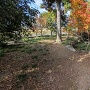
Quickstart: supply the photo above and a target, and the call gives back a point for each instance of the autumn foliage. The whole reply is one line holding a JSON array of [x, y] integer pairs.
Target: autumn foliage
[[80, 15]]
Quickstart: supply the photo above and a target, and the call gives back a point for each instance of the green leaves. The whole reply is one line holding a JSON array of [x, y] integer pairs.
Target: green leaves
[[50, 20], [15, 14]]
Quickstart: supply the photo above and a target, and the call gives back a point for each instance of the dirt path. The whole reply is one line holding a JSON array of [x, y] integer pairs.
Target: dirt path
[[63, 70], [68, 71]]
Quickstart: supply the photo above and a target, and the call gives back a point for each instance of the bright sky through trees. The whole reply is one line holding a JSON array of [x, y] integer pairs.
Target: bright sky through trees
[[37, 6]]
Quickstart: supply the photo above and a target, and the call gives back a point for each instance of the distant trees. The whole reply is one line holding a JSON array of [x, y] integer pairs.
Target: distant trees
[[46, 20], [40, 23], [51, 4], [14, 15], [51, 21]]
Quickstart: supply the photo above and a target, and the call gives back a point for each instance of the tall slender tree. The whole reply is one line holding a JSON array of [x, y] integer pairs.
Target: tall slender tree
[[55, 4]]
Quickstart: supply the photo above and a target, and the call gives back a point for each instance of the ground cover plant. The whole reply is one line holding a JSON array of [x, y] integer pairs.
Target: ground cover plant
[[24, 61]]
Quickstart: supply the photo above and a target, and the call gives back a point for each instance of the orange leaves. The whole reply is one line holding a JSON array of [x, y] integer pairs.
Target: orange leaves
[[80, 15]]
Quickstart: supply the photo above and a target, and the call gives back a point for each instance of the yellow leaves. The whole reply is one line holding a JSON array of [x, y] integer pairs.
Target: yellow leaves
[[80, 15], [75, 3], [86, 27]]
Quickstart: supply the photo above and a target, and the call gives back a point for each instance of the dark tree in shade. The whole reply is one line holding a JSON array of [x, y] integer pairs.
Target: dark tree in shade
[[15, 14]]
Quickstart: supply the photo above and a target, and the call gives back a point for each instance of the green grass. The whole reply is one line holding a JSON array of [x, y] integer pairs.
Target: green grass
[[34, 56], [12, 48], [30, 50], [44, 52], [18, 84], [30, 47], [2, 53], [25, 66], [27, 48], [34, 65], [37, 39], [22, 77], [69, 41], [82, 46], [39, 48]]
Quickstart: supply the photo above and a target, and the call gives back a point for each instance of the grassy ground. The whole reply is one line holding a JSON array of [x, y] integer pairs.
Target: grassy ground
[[41, 64], [20, 63]]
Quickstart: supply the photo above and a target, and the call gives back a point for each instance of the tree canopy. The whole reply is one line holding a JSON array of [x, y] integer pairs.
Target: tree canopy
[[58, 6], [15, 14], [80, 15], [50, 4]]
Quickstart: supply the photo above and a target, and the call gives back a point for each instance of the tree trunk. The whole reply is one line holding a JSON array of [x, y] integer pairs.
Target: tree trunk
[[41, 32], [59, 38], [36, 33], [51, 32]]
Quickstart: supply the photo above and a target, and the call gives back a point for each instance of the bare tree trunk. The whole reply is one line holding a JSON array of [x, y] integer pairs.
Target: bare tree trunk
[[41, 29], [59, 38], [41, 32], [51, 32], [36, 33]]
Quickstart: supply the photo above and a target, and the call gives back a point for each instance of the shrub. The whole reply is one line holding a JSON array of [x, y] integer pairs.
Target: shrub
[[84, 36], [70, 41], [3, 44], [82, 46]]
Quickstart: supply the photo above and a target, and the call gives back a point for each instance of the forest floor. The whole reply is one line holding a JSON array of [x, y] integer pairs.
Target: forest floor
[[46, 66]]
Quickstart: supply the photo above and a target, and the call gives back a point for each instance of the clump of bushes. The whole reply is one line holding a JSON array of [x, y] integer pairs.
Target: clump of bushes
[[82, 46], [71, 41], [3, 44], [1, 53], [84, 36], [78, 43]]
